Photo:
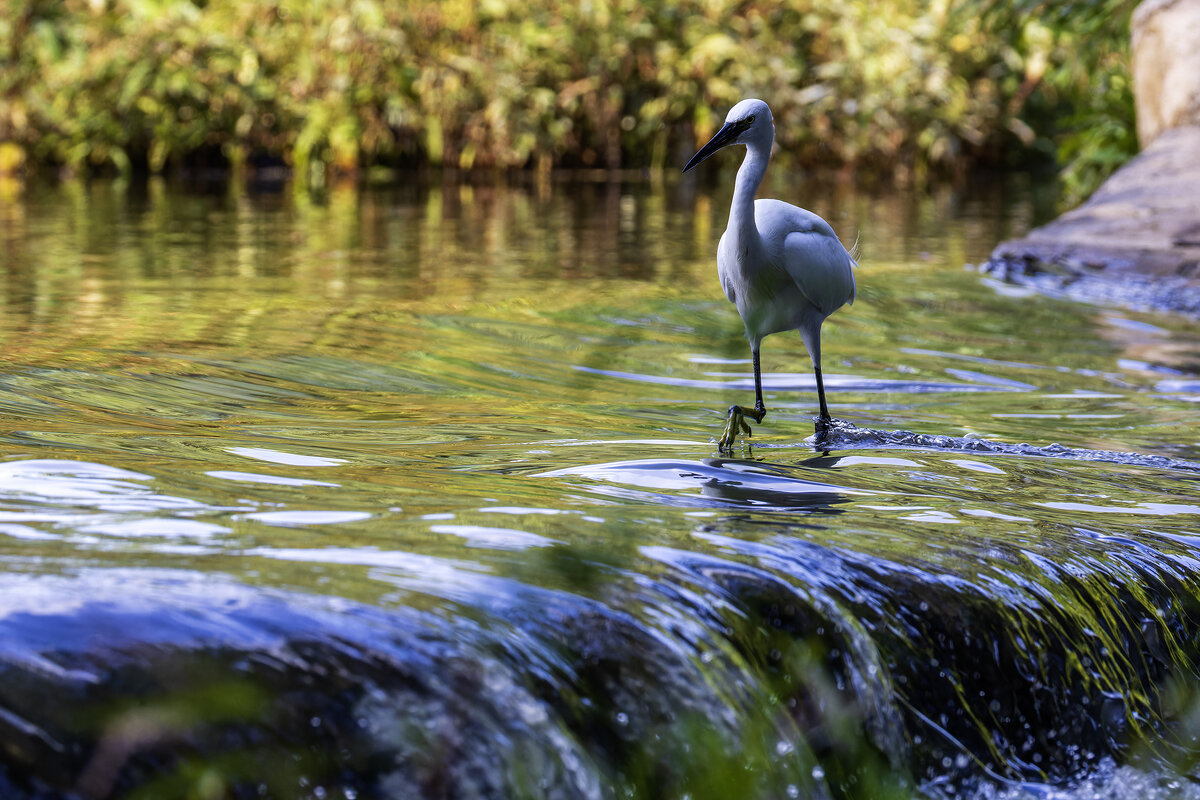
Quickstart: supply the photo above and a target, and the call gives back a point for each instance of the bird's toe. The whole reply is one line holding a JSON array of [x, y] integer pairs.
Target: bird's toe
[[733, 424]]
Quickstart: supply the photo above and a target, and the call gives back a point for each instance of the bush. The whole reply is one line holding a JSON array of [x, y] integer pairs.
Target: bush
[[897, 85]]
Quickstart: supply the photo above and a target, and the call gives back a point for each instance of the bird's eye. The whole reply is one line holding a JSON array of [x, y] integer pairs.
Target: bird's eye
[[744, 124]]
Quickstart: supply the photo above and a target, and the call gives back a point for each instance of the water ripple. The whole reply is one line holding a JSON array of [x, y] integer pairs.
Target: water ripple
[[847, 435], [712, 482], [805, 382]]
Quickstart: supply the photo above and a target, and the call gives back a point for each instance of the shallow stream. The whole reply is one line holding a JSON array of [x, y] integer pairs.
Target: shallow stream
[[414, 492]]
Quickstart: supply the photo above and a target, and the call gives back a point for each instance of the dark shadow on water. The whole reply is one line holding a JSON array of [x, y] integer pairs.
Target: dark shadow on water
[[773, 493], [711, 482]]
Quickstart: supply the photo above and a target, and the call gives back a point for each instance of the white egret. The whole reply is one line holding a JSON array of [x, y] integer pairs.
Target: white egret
[[782, 266]]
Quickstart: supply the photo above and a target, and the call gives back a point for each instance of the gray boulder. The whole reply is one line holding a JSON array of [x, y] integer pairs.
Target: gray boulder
[[1136, 241]]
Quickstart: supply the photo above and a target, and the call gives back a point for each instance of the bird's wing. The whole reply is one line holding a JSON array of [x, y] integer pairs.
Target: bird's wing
[[821, 268], [806, 246]]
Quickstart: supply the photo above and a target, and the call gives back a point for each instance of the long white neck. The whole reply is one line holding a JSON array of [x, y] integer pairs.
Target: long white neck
[[749, 176]]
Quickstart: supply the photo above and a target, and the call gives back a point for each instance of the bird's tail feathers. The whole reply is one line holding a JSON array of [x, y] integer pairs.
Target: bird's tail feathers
[[853, 251]]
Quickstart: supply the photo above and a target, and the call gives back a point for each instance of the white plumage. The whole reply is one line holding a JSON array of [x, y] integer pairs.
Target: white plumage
[[782, 266]]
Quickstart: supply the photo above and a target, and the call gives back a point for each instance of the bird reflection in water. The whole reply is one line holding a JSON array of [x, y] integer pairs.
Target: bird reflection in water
[[772, 490]]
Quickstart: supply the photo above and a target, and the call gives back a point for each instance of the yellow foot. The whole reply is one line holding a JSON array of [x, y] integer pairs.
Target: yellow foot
[[736, 422]]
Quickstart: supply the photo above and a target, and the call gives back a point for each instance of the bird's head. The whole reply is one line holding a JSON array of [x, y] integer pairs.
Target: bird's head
[[749, 122]]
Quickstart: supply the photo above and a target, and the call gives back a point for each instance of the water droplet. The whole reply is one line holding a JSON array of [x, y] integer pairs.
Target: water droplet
[[622, 718], [818, 773]]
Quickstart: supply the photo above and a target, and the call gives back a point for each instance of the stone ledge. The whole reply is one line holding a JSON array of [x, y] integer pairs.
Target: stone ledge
[[1140, 231]]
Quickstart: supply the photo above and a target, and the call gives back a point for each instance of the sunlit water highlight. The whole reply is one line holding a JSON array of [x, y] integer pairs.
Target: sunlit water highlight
[[426, 477]]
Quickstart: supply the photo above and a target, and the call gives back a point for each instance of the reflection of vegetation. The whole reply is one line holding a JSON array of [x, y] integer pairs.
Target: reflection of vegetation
[[351, 83]]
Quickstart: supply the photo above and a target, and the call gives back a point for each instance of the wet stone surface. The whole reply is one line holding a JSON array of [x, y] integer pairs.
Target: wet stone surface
[[1134, 243]]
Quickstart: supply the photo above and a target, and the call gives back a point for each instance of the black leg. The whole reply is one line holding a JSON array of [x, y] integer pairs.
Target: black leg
[[821, 395], [760, 410], [735, 423]]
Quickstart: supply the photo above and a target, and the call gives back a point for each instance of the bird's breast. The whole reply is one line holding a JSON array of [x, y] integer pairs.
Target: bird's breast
[[767, 300]]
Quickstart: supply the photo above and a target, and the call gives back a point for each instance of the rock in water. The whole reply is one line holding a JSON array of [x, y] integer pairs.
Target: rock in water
[[1166, 66], [1136, 241]]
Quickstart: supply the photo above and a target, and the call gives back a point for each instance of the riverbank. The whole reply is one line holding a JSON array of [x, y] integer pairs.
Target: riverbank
[[1135, 242], [904, 89]]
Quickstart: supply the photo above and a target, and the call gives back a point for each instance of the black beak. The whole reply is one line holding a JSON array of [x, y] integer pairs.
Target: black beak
[[726, 135]]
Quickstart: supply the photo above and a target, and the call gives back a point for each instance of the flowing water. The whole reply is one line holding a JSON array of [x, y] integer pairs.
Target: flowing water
[[413, 492]]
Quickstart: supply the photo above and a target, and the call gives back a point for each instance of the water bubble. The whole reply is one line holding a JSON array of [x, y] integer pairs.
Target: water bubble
[[783, 748], [622, 718], [818, 773], [793, 790]]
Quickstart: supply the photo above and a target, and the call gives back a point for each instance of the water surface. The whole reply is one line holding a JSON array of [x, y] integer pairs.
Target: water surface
[[451, 447]]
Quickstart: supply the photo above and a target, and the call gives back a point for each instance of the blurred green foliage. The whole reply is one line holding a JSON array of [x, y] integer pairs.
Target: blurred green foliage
[[901, 85]]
